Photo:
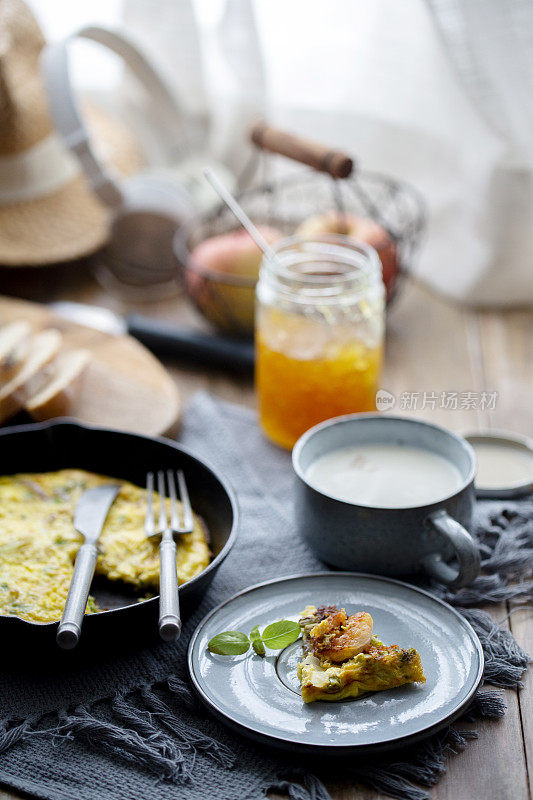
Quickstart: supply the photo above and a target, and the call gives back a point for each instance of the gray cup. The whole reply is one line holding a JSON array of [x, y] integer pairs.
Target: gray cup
[[389, 541]]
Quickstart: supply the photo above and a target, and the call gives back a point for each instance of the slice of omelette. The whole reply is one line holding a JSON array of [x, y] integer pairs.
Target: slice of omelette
[[342, 658]]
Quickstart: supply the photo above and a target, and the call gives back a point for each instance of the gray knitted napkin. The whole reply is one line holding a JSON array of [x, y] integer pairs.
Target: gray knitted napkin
[[132, 728]]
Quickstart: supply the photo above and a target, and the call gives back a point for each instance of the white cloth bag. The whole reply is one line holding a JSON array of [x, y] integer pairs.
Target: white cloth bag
[[435, 92]]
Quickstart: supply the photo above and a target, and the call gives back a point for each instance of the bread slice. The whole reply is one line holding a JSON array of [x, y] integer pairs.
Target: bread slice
[[62, 383], [42, 348], [14, 344]]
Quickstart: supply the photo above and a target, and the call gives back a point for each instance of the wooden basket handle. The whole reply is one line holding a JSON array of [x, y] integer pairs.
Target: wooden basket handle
[[315, 155]]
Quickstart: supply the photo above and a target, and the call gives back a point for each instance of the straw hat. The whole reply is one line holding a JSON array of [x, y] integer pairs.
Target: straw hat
[[47, 211]]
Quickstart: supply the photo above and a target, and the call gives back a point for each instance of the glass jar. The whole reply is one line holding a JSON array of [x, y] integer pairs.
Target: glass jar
[[319, 333]]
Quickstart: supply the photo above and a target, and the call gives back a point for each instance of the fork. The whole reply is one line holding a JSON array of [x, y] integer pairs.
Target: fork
[[168, 529]]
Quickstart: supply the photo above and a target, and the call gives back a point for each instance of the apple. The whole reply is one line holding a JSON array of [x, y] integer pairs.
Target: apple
[[221, 277], [363, 228]]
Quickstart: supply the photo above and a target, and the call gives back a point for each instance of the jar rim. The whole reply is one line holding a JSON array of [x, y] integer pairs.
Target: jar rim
[[361, 264]]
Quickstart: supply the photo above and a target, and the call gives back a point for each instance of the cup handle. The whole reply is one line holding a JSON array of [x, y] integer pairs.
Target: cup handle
[[466, 551]]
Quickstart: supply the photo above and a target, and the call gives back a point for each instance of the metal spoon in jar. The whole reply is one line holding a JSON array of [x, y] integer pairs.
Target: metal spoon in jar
[[240, 213]]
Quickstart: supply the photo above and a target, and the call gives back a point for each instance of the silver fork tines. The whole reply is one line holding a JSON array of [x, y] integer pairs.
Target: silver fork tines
[[167, 531], [179, 522]]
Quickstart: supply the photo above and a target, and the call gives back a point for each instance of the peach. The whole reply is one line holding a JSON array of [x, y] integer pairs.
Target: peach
[[221, 277], [363, 228], [234, 252]]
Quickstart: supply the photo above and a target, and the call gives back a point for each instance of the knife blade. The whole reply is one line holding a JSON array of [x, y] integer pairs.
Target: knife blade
[[89, 517], [92, 509], [163, 337]]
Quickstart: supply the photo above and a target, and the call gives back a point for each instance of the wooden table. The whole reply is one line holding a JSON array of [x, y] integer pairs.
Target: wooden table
[[433, 347]]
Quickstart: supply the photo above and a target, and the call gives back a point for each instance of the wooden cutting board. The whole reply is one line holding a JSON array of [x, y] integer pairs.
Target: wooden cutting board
[[124, 385]]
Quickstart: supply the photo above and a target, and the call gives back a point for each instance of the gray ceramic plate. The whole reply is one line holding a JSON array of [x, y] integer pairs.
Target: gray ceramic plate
[[260, 697]]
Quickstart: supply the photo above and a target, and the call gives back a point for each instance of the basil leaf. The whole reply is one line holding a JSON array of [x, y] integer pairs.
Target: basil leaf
[[229, 643], [257, 644], [280, 634]]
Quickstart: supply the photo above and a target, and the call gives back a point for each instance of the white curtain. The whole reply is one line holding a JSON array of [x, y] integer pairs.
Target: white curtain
[[436, 92]]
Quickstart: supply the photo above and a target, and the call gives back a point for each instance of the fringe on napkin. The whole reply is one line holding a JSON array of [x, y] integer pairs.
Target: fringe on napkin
[[146, 727], [504, 532]]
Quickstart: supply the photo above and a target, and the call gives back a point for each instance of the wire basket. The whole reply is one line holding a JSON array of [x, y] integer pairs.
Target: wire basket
[[227, 299]]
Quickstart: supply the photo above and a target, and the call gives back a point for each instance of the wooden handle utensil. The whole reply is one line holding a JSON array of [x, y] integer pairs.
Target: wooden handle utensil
[[316, 155]]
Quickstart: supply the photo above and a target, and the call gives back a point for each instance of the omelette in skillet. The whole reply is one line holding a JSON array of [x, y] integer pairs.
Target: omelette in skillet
[[38, 543]]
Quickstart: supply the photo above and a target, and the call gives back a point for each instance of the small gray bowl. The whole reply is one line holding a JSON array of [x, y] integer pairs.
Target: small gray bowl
[[389, 541]]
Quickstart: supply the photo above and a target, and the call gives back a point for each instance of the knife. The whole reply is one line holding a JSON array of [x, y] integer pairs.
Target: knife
[[91, 511], [163, 337]]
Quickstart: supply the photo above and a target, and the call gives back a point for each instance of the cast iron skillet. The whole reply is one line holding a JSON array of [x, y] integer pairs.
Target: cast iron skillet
[[64, 443]]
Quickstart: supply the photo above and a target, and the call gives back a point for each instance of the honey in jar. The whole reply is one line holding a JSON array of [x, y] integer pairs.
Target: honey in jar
[[319, 334]]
